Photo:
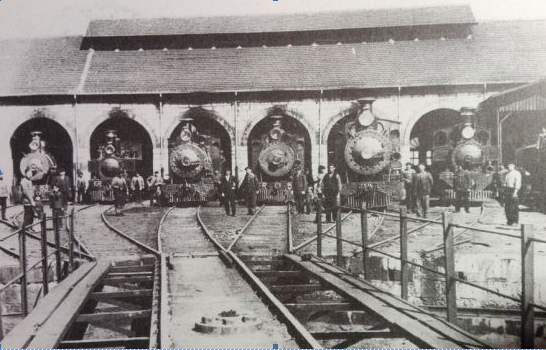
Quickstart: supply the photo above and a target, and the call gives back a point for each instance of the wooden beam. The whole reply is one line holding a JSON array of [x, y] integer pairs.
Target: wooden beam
[[317, 307], [263, 274], [135, 268], [297, 288], [109, 315], [22, 334], [420, 327], [116, 281], [113, 326], [50, 334], [385, 333], [130, 274], [129, 343], [121, 294]]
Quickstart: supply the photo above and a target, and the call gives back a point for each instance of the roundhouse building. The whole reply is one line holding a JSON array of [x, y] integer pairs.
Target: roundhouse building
[[140, 77]]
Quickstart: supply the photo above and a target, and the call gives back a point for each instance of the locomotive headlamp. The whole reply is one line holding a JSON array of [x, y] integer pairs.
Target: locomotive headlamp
[[34, 145], [110, 149], [366, 118], [468, 131], [185, 135]]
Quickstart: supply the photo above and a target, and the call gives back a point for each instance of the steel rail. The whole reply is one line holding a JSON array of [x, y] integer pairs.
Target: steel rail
[[301, 334], [243, 229], [127, 237], [159, 229]]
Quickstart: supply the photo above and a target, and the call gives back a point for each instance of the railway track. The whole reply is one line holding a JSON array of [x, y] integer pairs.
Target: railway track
[[324, 306]]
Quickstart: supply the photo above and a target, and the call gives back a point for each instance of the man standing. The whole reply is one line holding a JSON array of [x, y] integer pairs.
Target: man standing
[[423, 187], [228, 192], [250, 186], [119, 185], [154, 187], [331, 188], [217, 181], [318, 191], [408, 177], [299, 186], [80, 186], [511, 201], [63, 182], [27, 189], [462, 183], [4, 194], [56, 205], [137, 185]]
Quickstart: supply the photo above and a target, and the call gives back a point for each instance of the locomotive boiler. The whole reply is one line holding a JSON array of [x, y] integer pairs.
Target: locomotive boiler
[[469, 147], [114, 155], [41, 162], [193, 159], [365, 150], [275, 153]]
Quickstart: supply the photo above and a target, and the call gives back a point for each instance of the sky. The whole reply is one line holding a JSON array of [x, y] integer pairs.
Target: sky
[[39, 18]]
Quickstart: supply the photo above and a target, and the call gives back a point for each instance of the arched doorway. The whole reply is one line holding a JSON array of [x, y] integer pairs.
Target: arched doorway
[[36, 137], [288, 133], [209, 134], [422, 137], [131, 141]]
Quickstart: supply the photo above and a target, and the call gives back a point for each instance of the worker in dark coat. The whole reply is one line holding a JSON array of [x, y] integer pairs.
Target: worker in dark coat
[[423, 188], [63, 182], [56, 205], [331, 188], [299, 186], [29, 203], [228, 192], [250, 186], [462, 183]]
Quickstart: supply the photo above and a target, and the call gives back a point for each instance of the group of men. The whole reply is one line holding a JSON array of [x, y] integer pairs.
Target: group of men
[[323, 191], [126, 187], [418, 186]]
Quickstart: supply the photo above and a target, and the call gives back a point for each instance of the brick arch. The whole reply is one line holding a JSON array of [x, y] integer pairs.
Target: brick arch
[[279, 110], [332, 121], [121, 113], [419, 113], [44, 113], [195, 111]]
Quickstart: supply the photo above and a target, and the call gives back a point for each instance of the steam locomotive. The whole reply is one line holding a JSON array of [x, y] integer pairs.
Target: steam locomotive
[[42, 163], [193, 159], [275, 153], [468, 146], [114, 155], [366, 152]]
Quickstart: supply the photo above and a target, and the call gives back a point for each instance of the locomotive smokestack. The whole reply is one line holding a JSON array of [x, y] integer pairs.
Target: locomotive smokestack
[[468, 115]]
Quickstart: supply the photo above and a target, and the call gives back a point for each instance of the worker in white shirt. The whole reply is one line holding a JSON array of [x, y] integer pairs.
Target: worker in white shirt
[[513, 184]]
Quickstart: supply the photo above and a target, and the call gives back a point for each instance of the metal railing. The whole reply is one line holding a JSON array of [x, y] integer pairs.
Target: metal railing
[[527, 299], [63, 267]]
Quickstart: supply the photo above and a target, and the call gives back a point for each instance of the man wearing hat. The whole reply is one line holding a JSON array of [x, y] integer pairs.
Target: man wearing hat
[[63, 182], [4, 194], [250, 185], [155, 182], [119, 185]]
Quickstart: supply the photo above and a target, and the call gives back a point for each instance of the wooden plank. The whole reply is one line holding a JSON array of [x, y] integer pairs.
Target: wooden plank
[[113, 326], [404, 268], [297, 288], [121, 294], [116, 281], [449, 263], [137, 268], [304, 338], [360, 335], [415, 331], [527, 288], [154, 319], [319, 307], [450, 331], [128, 274], [164, 316], [128, 343], [20, 336], [105, 316], [51, 333], [264, 274]]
